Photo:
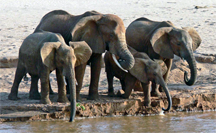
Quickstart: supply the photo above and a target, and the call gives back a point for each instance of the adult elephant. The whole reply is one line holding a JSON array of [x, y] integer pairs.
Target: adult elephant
[[100, 31], [161, 40]]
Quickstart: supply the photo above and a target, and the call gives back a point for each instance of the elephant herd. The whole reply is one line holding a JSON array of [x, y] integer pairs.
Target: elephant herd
[[66, 43]]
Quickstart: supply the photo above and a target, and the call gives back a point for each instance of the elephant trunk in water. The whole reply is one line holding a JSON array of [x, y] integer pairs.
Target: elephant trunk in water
[[166, 90], [192, 65], [72, 86]]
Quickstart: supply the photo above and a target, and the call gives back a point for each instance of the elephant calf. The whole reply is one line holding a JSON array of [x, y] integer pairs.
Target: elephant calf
[[144, 70], [40, 54]]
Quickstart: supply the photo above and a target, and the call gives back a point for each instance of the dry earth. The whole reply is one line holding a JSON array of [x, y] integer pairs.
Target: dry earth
[[20, 19]]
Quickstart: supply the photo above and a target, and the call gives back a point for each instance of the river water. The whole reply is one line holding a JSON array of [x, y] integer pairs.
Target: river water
[[178, 122]]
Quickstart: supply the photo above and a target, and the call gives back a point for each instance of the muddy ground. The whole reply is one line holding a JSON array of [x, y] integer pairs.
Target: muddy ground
[[199, 97]]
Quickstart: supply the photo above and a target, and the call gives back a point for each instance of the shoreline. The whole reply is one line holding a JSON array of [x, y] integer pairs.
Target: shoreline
[[184, 100]]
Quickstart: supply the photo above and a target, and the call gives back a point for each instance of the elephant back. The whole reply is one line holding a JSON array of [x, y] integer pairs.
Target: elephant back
[[60, 21], [139, 33]]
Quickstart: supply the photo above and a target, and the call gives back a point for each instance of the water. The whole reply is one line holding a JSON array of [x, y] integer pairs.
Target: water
[[179, 122]]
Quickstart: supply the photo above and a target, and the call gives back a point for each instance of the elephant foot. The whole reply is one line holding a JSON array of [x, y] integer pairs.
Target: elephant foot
[[35, 96], [63, 100], [45, 101], [121, 93], [111, 94], [13, 97], [147, 103], [125, 96], [155, 94], [78, 100], [93, 97]]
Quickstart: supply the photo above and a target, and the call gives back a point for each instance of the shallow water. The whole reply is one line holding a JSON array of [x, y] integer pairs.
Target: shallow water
[[179, 122]]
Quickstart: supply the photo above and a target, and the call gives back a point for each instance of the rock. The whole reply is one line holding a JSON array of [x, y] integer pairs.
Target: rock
[[8, 62], [205, 59]]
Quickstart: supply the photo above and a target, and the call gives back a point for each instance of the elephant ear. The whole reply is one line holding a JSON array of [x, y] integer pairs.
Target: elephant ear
[[87, 30], [195, 37], [82, 52], [138, 70], [161, 43], [47, 53], [162, 65]]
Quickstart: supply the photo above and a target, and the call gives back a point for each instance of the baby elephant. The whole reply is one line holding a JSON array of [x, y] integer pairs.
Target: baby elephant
[[40, 54], [144, 70]]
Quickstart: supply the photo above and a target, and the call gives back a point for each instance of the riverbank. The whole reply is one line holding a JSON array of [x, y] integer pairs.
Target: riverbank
[[199, 97]]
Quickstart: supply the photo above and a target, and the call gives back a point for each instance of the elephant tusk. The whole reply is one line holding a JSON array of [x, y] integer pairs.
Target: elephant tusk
[[183, 59], [117, 63], [76, 82]]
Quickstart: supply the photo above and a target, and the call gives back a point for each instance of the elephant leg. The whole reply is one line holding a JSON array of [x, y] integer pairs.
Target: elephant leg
[[20, 73], [129, 85], [79, 74], [123, 85], [95, 75], [61, 87], [50, 89], [110, 76], [110, 84], [168, 63], [34, 94], [155, 90], [146, 92], [44, 78]]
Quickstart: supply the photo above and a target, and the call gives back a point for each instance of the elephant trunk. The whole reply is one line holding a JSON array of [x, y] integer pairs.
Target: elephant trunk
[[126, 59], [192, 65], [166, 90], [72, 86]]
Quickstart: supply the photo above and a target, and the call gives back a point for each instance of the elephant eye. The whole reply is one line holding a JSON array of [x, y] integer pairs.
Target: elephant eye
[[178, 44]]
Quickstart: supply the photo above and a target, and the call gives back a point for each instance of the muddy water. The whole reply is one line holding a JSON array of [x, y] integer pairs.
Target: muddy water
[[180, 122]]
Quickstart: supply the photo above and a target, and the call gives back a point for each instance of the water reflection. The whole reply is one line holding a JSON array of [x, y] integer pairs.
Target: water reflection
[[180, 122]]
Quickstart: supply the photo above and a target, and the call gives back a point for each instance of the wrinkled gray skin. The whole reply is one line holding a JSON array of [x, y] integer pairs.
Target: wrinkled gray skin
[[161, 40], [144, 70], [100, 31], [40, 54]]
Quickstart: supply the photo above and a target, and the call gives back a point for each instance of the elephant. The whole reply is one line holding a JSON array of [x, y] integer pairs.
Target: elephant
[[40, 54], [144, 70], [100, 31], [162, 40]]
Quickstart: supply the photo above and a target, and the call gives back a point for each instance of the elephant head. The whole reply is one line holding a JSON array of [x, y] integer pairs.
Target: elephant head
[[104, 32], [167, 41], [59, 55], [146, 70]]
